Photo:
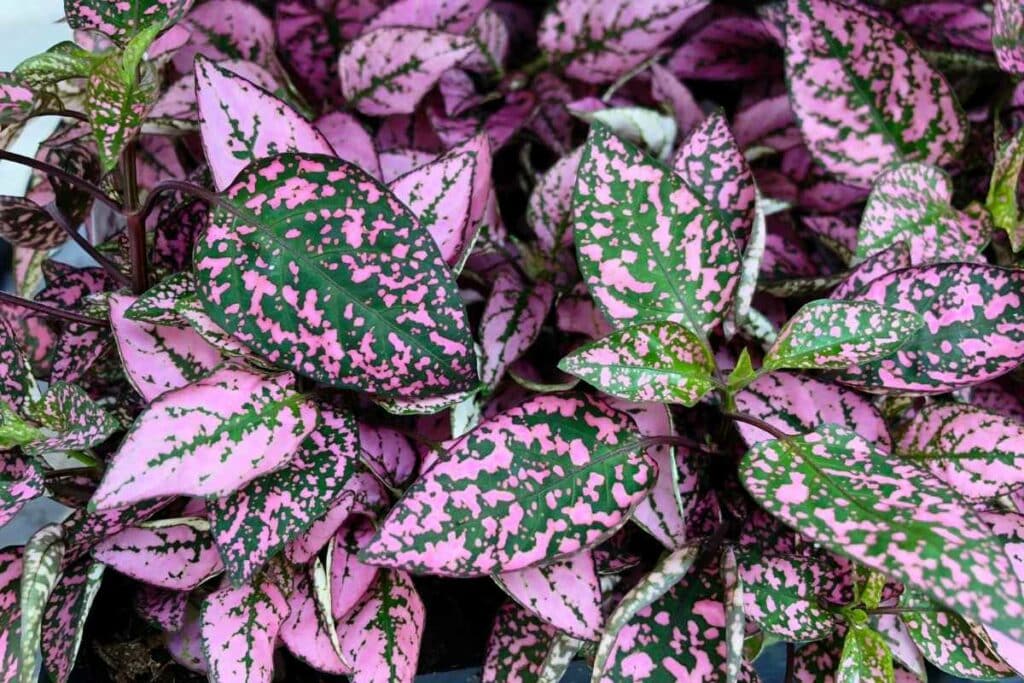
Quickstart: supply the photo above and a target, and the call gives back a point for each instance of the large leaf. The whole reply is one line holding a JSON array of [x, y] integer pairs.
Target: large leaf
[[837, 334], [1008, 35], [209, 438], [660, 362], [648, 248], [911, 202], [65, 616], [239, 630], [120, 20], [599, 40], [178, 555], [256, 522], [388, 70], [241, 122], [864, 96], [974, 327], [319, 267], [511, 322], [24, 223], [541, 481], [565, 594], [899, 520], [40, 570], [382, 634], [979, 453]]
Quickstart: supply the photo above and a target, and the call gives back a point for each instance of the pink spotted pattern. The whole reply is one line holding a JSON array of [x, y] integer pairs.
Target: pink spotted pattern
[[239, 629], [511, 322], [177, 556]]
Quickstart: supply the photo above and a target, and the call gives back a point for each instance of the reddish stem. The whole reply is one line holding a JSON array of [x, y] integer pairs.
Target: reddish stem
[[58, 172], [760, 424], [51, 311]]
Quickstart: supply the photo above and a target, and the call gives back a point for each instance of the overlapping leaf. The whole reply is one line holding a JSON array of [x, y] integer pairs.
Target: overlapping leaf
[[20, 481], [64, 619], [518, 648], [40, 571], [227, 29], [26, 224], [239, 629], [320, 268], [74, 419], [177, 556], [780, 595], [16, 100], [511, 322], [120, 20], [350, 578], [309, 630], [1008, 35]]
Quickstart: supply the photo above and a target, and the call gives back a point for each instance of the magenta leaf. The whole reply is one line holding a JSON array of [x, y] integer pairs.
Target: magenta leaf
[[240, 123], [978, 453], [911, 202], [949, 24], [17, 385], [584, 476], [16, 100], [350, 578], [597, 41], [161, 607], [519, 647], [511, 322], [308, 46], [899, 519], [319, 267], [974, 327], [239, 629], [256, 522], [549, 209], [20, 481], [1008, 35], [157, 358], [456, 16], [208, 438], [121, 20], [648, 247], [350, 141], [382, 634], [780, 595], [846, 71], [24, 223], [309, 630], [726, 49], [178, 555], [388, 70], [227, 29], [566, 594], [64, 620]]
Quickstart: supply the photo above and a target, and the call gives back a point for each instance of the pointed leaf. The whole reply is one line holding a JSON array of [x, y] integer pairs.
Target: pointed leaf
[[518, 646], [659, 362], [350, 577], [121, 20], [24, 223], [382, 634], [647, 247], [40, 571], [388, 70], [865, 657], [350, 141], [177, 556], [1008, 35], [569, 461], [16, 100], [898, 520], [565, 594], [20, 481], [848, 74], [974, 327], [308, 632], [511, 322], [641, 126], [241, 123], [870, 269], [79, 422], [548, 211], [209, 438], [320, 268], [239, 629], [837, 334], [116, 101], [227, 29], [66, 613], [308, 41]]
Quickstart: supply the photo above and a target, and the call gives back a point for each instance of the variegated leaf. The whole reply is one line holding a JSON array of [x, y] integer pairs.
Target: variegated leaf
[[208, 438], [16, 100], [973, 332], [24, 223], [319, 267], [241, 122], [1008, 35], [565, 594], [388, 453], [444, 15], [848, 75], [350, 577], [309, 630], [899, 519], [1002, 200], [177, 556], [511, 322], [20, 481], [40, 570], [870, 269], [239, 630], [865, 657], [779, 595], [381, 636], [648, 247], [256, 522], [597, 41], [837, 334], [912, 202], [66, 613], [388, 70], [518, 645], [160, 607], [548, 211], [978, 453], [641, 126], [659, 362], [227, 29], [158, 358], [10, 612], [74, 419], [121, 20], [570, 461], [17, 385]]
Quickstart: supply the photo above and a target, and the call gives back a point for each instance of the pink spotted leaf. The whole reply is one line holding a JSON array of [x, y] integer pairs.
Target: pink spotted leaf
[[16, 100], [780, 596], [360, 296], [845, 70], [511, 322], [240, 122], [227, 29], [897, 530], [456, 16], [388, 70], [156, 305], [549, 208], [239, 629], [660, 362], [308, 46], [309, 631], [10, 610], [523, 648], [1008, 35], [208, 438], [490, 479], [26, 224], [884, 262], [121, 20], [160, 607], [40, 572], [64, 620], [949, 24], [178, 555], [71, 419], [350, 578], [20, 481]]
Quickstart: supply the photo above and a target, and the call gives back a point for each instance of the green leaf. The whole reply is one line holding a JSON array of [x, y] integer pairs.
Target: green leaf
[[843, 492], [837, 334], [79, 422], [1003, 188], [658, 361], [62, 61], [116, 101], [866, 658], [15, 430], [741, 375], [40, 570], [124, 18]]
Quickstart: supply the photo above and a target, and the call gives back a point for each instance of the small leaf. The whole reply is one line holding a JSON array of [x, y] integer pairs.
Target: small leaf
[[741, 375], [66, 613], [40, 571], [584, 477], [519, 644], [16, 100], [156, 305], [511, 322], [239, 630], [309, 631], [827, 334], [320, 268], [117, 101], [20, 481], [162, 608], [866, 657], [208, 438], [846, 72], [660, 362], [122, 20], [79, 422], [682, 266], [1002, 192], [349, 139], [639, 125], [870, 269], [388, 70], [178, 555], [780, 596], [24, 223], [382, 634], [241, 123], [227, 29], [62, 61], [1008, 35], [898, 520]]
